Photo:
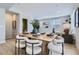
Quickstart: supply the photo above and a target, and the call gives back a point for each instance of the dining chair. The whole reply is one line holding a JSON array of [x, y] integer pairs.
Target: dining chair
[[56, 47], [33, 47], [19, 43]]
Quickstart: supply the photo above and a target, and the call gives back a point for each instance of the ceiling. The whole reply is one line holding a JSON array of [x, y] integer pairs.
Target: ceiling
[[40, 10], [6, 5]]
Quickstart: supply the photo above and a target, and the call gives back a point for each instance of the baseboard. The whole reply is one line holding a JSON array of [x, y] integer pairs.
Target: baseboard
[[1, 42]]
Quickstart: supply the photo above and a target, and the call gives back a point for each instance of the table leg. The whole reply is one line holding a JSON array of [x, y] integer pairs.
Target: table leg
[[45, 48]]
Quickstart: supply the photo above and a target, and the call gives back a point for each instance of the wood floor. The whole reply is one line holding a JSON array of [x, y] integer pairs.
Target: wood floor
[[70, 49], [8, 48]]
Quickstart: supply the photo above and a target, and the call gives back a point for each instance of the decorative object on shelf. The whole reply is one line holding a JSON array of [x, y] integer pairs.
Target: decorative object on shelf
[[46, 24], [14, 24], [53, 31], [36, 26], [69, 20]]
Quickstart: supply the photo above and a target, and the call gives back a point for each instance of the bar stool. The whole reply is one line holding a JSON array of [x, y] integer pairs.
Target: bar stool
[[33, 47], [20, 43]]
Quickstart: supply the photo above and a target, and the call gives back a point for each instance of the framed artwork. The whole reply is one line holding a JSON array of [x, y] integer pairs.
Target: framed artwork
[[14, 24], [46, 24]]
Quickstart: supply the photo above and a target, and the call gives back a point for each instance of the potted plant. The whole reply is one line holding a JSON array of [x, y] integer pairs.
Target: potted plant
[[36, 26]]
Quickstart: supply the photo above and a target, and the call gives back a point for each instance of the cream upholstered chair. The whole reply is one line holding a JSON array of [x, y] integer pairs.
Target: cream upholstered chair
[[20, 43], [56, 47], [33, 46]]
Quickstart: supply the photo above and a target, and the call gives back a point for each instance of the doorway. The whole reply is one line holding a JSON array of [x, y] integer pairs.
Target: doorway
[[11, 24], [24, 22]]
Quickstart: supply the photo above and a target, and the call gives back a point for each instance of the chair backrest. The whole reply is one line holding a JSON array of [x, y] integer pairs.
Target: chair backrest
[[30, 42], [58, 41], [20, 37]]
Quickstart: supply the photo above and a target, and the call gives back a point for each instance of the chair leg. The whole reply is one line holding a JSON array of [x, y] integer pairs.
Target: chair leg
[[62, 48], [18, 51], [51, 52], [15, 50], [15, 46], [25, 47], [32, 49], [25, 51], [18, 46], [42, 50]]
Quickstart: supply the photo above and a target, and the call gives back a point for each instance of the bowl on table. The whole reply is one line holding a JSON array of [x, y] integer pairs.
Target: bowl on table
[[26, 33], [38, 34], [42, 33], [51, 34], [21, 35], [35, 35]]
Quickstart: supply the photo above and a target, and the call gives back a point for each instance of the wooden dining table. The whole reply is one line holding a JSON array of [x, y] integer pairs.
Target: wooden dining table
[[43, 37]]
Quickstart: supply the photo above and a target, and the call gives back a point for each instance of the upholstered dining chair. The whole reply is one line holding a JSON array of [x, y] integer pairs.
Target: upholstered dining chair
[[33, 46], [20, 43], [56, 47]]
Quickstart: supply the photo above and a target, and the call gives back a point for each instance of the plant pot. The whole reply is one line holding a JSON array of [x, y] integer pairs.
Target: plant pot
[[34, 31]]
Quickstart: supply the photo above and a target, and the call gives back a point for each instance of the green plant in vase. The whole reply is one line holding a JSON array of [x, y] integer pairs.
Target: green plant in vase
[[36, 26]]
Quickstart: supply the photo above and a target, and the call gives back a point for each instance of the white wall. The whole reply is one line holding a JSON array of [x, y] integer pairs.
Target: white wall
[[77, 38], [2, 25], [8, 25], [56, 23]]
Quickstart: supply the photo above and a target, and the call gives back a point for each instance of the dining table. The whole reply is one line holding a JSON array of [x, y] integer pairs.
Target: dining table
[[46, 38]]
